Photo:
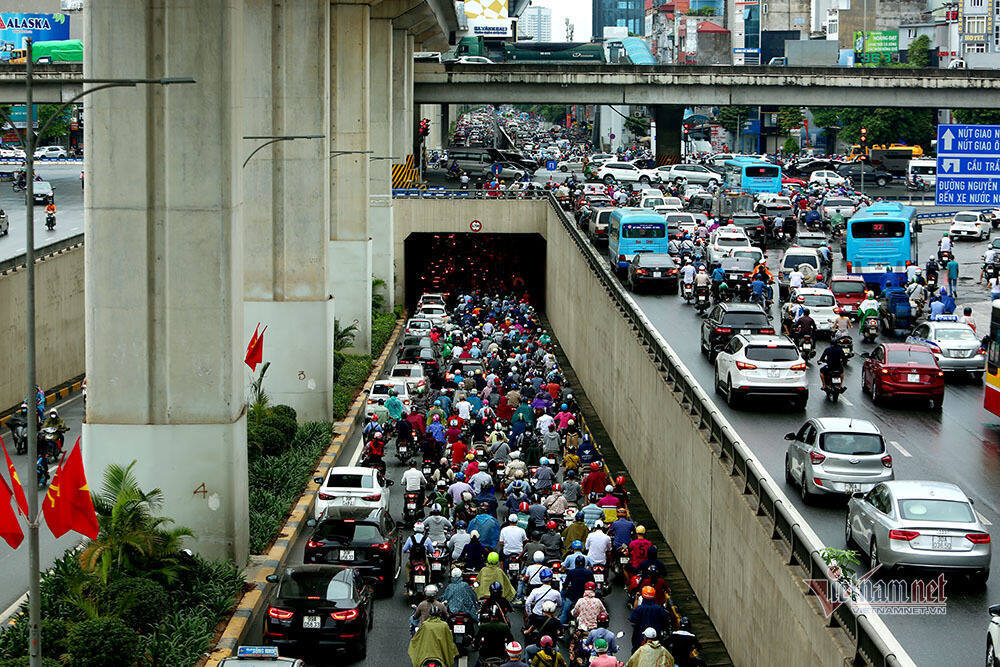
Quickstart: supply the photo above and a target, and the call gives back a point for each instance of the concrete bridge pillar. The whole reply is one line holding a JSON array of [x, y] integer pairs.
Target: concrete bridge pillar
[[402, 93], [669, 120], [164, 262], [350, 268], [287, 199], [383, 157]]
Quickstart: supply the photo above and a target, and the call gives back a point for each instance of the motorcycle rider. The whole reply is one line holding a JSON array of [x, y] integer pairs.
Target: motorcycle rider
[[56, 422], [458, 541], [492, 573], [512, 539], [437, 526], [514, 651], [538, 597], [589, 607], [530, 577], [638, 550], [687, 274], [17, 421], [651, 653], [682, 643], [433, 641], [413, 481], [867, 308], [548, 655], [931, 269], [429, 603], [841, 325], [647, 615], [805, 325], [459, 596]]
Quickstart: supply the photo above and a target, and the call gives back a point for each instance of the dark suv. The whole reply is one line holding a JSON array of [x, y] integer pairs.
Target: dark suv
[[728, 319], [368, 543]]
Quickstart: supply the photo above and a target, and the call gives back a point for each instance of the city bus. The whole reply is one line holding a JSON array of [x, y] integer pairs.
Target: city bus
[[751, 174], [634, 230], [991, 395], [882, 242]]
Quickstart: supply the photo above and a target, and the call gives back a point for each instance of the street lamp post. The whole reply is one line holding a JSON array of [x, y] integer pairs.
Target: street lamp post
[[27, 140], [273, 139]]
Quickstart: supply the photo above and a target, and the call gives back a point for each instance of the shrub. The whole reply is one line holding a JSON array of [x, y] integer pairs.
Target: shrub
[[140, 602], [341, 398], [382, 326], [354, 371], [282, 423], [180, 639], [271, 441], [285, 411], [24, 661], [104, 641]]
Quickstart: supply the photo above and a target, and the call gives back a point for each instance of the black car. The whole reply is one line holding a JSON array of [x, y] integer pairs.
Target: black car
[[369, 544], [856, 171], [738, 272], [751, 223], [319, 609], [420, 355], [652, 269], [727, 319]]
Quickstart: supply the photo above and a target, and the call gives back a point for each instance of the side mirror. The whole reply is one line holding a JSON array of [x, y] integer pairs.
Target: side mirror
[[389, 482], [272, 578], [311, 522], [318, 480], [865, 355], [789, 436], [995, 610], [858, 494]]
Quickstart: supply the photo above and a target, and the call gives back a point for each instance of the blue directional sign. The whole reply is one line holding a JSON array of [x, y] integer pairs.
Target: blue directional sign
[[968, 166], [496, 168], [551, 165]]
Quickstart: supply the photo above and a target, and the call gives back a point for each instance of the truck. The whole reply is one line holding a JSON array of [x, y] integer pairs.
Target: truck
[[57, 51]]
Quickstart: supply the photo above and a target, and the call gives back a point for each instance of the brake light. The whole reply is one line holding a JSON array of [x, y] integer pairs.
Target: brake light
[[385, 546], [372, 498], [671, 272], [905, 535], [934, 347], [940, 374], [885, 371], [348, 615], [641, 272], [798, 367], [312, 544], [887, 460], [326, 496], [767, 331], [279, 614], [978, 538], [816, 457], [744, 366], [371, 401], [723, 330], [848, 267]]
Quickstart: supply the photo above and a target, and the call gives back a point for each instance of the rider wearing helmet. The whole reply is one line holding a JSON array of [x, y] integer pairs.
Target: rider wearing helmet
[[867, 308], [596, 479], [576, 531], [492, 573], [682, 643], [647, 615], [552, 541]]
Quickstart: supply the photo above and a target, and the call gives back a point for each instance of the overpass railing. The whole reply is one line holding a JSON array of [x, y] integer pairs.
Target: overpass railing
[[447, 193], [873, 642]]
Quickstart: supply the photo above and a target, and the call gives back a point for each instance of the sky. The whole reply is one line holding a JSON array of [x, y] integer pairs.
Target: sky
[[578, 12]]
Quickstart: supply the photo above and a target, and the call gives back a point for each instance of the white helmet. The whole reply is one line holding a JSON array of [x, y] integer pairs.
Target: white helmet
[[430, 590], [512, 518], [418, 527], [539, 557]]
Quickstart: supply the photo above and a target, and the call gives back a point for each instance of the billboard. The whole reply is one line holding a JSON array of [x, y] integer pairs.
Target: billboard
[[488, 18], [875, 47], [16, 27]]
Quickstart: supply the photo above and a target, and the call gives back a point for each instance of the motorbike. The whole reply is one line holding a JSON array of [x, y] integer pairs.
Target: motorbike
[[513, 567], [413, 507], [917, 185], [439, 559], [600, 578], [687, 291], [461, 627], [20, 433], [427, 467], [807, 347], [991, 270], [869, 329], [419, 577], [50, 443], [403, 453], [376, 462], [846, 343], [944, 256], [701, 301], [835, 386], [50, 221], [932, 282], [622, 561]]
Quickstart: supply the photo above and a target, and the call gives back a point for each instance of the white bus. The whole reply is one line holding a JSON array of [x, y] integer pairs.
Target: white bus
[[925, 168]]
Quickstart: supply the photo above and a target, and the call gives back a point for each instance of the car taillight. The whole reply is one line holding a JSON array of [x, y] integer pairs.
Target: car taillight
[[848, 267], [671, 272], [279, 614], [312, 544], [905, 535], [816, 458], [371, 401], [326, 496], [641, 272], [372, 498], [934, 347], [723, 330], [621, 258], [385, 546], [887, 460], [798, 367], [940, 374], [978, 538], [767, 331], [348, 615], [744, 366]]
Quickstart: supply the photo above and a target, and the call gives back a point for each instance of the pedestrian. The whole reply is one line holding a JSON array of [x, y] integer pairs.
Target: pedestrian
[[952, 268], [81, 179]]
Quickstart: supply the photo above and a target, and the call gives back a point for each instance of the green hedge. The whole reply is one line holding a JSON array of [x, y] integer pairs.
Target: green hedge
[[382, 326], [352, 373], [276, 481]]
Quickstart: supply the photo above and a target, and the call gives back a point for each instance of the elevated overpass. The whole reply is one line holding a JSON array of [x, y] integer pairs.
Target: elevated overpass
[[687, 85]]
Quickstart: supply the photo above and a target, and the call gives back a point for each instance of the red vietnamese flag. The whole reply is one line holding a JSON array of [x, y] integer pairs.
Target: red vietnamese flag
[[68, 505], [10, 529], [22, 500], [255, 350]]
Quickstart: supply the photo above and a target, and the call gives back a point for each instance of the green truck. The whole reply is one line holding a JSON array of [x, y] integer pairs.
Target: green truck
[[58, 51]]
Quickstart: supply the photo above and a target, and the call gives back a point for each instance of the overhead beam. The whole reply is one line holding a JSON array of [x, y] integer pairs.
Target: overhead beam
[[393, 9], [413, 16]]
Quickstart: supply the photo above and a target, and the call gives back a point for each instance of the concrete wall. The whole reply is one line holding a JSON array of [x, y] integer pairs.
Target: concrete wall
[[59, 328]]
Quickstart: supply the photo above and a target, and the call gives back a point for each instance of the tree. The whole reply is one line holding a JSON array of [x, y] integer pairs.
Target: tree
[[978, 116], [884, 125], [730, 116], [702, 11], [826, 117], [790, 147], [59, 127], [789, 118], [637, 126], [918, 55]]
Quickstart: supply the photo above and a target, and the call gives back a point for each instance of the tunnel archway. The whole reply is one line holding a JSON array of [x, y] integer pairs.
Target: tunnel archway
[[449, 262]]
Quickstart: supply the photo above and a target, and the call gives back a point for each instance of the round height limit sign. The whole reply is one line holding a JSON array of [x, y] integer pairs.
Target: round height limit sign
[[476, 226]]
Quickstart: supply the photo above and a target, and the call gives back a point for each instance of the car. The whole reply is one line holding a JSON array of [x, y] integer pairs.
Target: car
[[597, 224], [681, 221], [993, 637], [903, 370], [970, 225], [49, 152], [822, 306], [571, 164], [473, 60], [843, 205], [651, 200], [320, 609], [425, 356], [689, 173], [828, 178], [954, 344], [795, 257], [432, 299], [849, 291], [751, 224], [413, 375], [42, 192], [725, 239], [737, 269], [807, 239], [346, 491], [726, 320], [919, 524], [625, 172], [369, 543], [836, 456], [753, 252], [438, 315], [761, 365], [774, 206], [792, 180], [380, 391], [418, 325], [508, 170], [8, 153], [652, 269], [858, 172], [259, 656]]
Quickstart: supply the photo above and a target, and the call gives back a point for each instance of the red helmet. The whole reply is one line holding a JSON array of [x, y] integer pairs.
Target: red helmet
[[523, 507], [595, 466], [374, 418], [557, 487], [620, 480], [590, 586], [551, 525], [648, 592]]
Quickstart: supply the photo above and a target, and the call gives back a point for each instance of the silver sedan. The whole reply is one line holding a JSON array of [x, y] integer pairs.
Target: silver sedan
[[919, 524], [954, 344]]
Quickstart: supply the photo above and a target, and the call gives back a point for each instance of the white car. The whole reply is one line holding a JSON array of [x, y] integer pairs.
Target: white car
[[474, 60], [822, 305], [8, 153], [754, 253], [689, 173], [380, 391], [624, 172], [412, 375], [761, 365], [824, 177], [845, 206], [725, 239], [969, 225], [572, 164], [431, 299], [436, 314], [418, 325], [347, 491], [651, 201], [50, 152]]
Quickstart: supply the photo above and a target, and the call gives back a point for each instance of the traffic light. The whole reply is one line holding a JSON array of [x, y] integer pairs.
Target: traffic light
[[424, 127], [687, 129], [864, 135]]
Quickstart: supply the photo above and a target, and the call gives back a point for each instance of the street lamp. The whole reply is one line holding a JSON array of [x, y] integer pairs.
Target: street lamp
[[27, 141], [275, 138]]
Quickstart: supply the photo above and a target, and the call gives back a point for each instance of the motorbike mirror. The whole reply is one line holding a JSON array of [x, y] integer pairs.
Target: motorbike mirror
[[318, 480], [619, 635], [858, 494], [272, 578], [789, 436], [389, 482], [311, 522]]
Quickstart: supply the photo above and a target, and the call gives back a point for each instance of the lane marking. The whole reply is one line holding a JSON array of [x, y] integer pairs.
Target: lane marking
[[847, 402], [900, 448]]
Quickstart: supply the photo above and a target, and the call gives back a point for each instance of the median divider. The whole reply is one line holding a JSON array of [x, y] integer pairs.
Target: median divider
[[250, 609]]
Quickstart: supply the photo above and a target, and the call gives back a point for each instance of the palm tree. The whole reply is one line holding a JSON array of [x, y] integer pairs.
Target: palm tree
[[132, 539]]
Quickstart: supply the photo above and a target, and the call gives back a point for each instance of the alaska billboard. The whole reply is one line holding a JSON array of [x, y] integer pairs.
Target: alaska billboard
[[15, 28]]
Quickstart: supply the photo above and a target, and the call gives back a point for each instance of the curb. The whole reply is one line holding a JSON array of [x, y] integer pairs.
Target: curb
[[251, 606], [55, 394]]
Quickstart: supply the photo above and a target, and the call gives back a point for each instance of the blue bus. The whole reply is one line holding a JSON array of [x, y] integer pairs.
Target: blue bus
[[882, 242], [634, 230], [751, 174]]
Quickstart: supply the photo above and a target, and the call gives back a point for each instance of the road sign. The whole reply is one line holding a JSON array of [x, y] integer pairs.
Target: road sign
[[476, 225], [496, 168], [968, 165], [612, 135], [551, 165]]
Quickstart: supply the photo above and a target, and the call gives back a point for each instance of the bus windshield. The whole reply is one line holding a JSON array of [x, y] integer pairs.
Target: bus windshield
[[871, 229], [644, 230]]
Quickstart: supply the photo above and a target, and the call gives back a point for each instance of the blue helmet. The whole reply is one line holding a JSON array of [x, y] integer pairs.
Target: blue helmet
[[577, 544], [460, 524], [460, 476], [564, 407], [437, 402], [545, 574]]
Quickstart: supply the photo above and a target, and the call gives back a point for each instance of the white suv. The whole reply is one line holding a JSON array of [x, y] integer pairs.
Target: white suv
[[689, 173], [624, 172], [970, 224], [49, 152], [822, 305], [761, 365], [349, 490]]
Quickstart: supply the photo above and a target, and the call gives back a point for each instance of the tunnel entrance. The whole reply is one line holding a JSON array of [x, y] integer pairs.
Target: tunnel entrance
[[472, 261]]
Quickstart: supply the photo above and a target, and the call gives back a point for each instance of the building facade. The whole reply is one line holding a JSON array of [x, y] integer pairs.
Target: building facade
[[630, 14], [979, 32], [535, 23]]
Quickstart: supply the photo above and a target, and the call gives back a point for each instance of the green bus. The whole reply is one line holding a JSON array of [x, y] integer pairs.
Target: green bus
[[529, 51], [59, 51]]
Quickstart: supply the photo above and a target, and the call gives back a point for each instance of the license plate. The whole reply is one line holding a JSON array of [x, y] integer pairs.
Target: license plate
[[878, 268], [658, 274], [411, 506], [348, 501], [744, 331], [459, 629], [835, 380], [419, 579], [599, 578], [852, 488], [347, 554], [941, 542], [514, 567], [773, 372], [310, 622], [623, 560], [435, 566], [913, 377]]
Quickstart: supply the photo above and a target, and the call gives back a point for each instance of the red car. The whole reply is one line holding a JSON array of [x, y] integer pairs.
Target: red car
[[902, 369], [849, 292], [791, 180]]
